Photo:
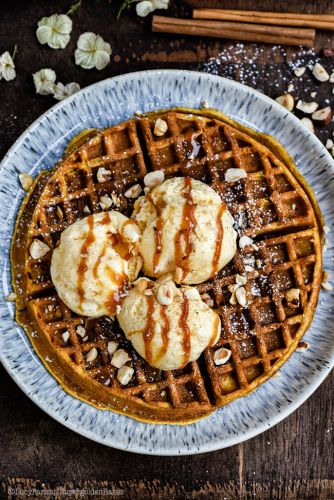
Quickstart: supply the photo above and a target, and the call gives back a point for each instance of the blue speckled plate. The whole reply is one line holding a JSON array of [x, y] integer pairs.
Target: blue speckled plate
[[113, 101]]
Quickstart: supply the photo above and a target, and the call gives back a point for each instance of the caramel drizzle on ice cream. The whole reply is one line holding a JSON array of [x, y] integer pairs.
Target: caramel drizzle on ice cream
[[188, 224], [158, 232], [219, 240], [164, 333], [115, 296], [149, 329], [82, 267]]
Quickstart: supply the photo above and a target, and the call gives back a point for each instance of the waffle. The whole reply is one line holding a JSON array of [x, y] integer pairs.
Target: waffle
[[273, 206]]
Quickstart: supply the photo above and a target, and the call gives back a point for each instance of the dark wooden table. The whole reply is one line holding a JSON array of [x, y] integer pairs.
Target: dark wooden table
[[294, 460]]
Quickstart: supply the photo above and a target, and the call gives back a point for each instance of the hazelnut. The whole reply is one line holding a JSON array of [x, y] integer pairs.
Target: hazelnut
[[165, 295], [38, 249], [119, 358], [320, 73], [299, 71], [125, 374], [292, 298], [323, 115], [92, 355], [235, 174], [134, 191], [26, 181], [307, 107], [154, 178], [287, 101], [112, 347], [160, 127], [308, 123], [221, 356], [103, 175]]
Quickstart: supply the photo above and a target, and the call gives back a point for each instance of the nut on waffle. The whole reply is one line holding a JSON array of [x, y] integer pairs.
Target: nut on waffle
[[272, 206]]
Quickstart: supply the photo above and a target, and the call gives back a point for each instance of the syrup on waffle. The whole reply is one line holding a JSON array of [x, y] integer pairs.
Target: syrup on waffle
[[272, 205]]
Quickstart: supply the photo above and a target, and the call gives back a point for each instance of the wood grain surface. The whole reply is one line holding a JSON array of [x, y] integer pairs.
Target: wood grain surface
[[294, 460]]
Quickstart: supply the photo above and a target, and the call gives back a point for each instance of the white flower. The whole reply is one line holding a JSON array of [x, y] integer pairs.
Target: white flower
[[62, 91], [145, 7], [54, 30], [92, 51], [44, 81], [7, 67]]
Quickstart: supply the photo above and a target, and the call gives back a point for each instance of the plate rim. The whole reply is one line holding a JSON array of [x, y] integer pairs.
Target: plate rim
[[218, 444]]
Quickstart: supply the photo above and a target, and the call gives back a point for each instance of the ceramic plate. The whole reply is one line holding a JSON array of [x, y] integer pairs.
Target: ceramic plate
[[104, 104]]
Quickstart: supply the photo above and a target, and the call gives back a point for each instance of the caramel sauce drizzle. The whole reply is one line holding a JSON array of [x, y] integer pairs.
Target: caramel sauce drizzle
[[158, 232], [164, 333], [114, 298], [149, 329], [188, 224], [186, 330], [82, 267], [219, 240]]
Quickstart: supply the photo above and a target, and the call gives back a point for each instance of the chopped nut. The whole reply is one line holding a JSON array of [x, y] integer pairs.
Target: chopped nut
[[86, 210], [329, 144], [291, 87], [134, 191], [292, 298], [80, 331], [234, 287], [313, 94], [308, 123], [38, 249], [92, 355], [178, 275], [240, 280], [105, 202], [205, 104], [240, 294], [11, 297], [235, 174], [26, 181], [208, 300], [287, 101], [125, 374], [154, 178], [85, 338], [323, 115], [131, 232], [60, 213], [112, 347], [119, 358], [103, 174], [245, 241], [258, 263], [299, 71], [146, 190], [320, 73], [307, 107], [148, 292], [302, 346], [65, 335], [249, 269], [165, 295], [331, 78], [160, 127], [221, 356], [116, 200]]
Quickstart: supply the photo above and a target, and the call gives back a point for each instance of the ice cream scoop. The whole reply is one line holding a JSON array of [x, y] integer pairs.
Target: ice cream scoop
[[167, 325], [185, 225], [96, 259]]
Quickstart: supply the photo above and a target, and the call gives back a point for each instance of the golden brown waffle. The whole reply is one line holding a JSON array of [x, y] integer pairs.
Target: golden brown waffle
[[273, 205]]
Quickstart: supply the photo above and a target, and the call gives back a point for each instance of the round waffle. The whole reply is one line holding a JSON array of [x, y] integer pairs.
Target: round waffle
[[273, 205]]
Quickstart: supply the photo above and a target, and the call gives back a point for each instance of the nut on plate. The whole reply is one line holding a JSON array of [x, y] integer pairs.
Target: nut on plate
[[160, 127]]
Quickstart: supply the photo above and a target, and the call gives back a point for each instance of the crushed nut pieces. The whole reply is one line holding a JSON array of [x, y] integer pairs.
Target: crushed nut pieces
[[160, 127], [154, 178], [38, 249], [221, 356]]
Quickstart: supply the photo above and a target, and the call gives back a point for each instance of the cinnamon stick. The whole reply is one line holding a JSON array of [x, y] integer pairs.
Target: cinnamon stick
[[317, 21], [235, 31]]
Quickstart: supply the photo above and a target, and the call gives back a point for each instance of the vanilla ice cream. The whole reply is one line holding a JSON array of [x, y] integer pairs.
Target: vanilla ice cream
[[167, 325], [94, 262], [185, 225]]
